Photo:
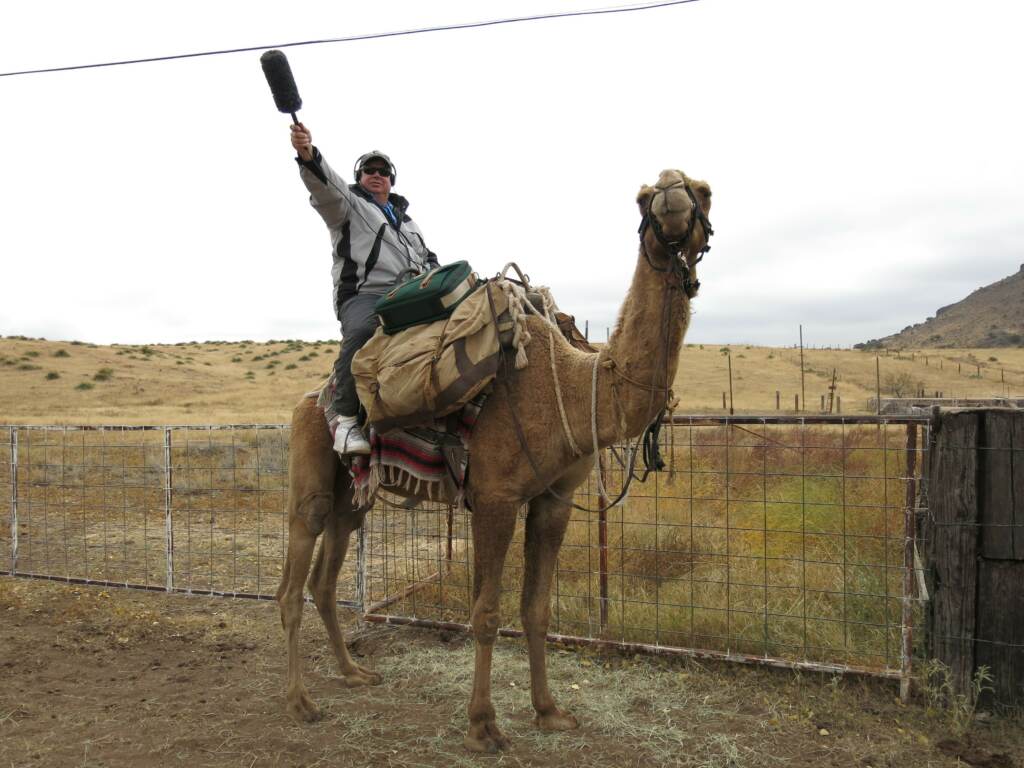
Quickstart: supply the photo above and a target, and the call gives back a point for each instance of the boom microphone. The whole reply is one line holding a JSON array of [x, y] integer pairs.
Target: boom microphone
[[282, 84]]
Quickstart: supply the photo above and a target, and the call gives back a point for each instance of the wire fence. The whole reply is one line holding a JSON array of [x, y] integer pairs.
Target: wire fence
[[789, 541]]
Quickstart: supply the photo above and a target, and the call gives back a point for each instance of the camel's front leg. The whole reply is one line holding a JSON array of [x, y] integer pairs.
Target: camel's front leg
[[545, 529], [323, 582], [492, 531]]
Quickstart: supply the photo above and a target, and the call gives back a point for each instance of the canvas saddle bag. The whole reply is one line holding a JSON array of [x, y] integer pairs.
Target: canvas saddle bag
[[426, 298], [430, 370]]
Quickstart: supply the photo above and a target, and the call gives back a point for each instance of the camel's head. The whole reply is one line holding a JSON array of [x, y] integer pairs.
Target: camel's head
[[676, 208]]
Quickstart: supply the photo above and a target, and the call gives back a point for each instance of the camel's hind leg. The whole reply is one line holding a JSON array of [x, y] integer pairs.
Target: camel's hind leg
[[323, 582], [311, 472]]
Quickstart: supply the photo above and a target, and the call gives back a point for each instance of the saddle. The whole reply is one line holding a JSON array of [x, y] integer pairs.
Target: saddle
[[423, 385]]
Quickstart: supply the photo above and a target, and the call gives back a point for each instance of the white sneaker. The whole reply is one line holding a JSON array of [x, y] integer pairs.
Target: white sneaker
[[348, 437]]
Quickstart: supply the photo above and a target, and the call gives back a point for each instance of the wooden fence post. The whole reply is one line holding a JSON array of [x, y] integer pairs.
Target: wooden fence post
[[975, 548]]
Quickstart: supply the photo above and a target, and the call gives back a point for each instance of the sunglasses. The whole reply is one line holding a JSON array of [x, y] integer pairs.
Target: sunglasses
[[386, 172]]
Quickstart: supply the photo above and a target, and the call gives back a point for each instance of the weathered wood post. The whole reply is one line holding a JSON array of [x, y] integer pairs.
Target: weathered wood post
[[975, 548]]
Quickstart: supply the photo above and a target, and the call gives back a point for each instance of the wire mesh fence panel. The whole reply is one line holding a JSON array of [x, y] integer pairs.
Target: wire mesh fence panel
[[228, 502], [759, 539], [775, 539], [90, 505]]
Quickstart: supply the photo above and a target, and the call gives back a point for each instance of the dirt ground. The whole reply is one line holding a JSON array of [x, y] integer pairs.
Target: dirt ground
[[110, 677]]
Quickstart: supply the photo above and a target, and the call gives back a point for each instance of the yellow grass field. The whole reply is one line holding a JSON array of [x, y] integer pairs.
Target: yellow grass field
[[69, 382]]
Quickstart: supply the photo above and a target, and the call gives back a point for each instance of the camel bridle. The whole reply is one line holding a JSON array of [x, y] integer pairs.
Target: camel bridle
[[678, 269], [678, 276]]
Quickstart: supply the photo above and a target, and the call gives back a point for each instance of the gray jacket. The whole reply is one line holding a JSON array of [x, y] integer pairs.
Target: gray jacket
[[370, 253]]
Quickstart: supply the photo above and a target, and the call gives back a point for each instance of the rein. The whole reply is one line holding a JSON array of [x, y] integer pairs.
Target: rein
[[677, 268]]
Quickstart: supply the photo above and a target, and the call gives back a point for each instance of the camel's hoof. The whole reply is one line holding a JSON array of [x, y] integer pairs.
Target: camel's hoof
[[486, 738], [556, 721], [362, 677], [303, 709]]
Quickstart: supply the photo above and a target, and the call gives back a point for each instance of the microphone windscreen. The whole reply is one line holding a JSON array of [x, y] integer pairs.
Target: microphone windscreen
[[282, 84]]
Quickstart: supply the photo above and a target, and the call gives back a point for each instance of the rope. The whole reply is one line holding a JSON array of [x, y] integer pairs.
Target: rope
[[602, 493], [614, 368], [558, 397], [519, 307]]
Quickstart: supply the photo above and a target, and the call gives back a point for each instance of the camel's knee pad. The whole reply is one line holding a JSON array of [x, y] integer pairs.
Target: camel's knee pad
[[314, 509], [485, 626]]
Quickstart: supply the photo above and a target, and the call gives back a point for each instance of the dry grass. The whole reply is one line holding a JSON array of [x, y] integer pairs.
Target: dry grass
[[254, 382]]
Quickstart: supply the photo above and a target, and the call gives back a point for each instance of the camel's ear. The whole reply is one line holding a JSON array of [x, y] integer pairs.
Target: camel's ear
[[703, 192], [643, 197]]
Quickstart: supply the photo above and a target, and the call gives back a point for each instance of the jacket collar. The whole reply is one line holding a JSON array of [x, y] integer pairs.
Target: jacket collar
[[399, 202]]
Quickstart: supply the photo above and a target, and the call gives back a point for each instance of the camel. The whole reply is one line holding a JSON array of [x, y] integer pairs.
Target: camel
[[519, 457]]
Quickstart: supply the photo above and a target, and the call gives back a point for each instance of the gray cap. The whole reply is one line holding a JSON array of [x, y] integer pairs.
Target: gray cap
[[373, 154]]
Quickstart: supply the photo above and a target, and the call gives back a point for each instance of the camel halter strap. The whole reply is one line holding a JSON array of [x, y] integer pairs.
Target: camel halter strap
[[677, 268], [649, 435]]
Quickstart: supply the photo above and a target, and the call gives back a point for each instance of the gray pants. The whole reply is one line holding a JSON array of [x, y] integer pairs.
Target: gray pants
[[358, 323]]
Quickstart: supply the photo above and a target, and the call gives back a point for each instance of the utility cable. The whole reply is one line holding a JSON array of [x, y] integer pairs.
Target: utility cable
[[368, 36]]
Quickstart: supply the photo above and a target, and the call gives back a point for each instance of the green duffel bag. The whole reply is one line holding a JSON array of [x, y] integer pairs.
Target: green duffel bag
[[426, 298]]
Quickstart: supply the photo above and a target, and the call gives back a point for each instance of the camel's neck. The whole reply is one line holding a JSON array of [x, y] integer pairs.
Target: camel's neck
[[645, 347]]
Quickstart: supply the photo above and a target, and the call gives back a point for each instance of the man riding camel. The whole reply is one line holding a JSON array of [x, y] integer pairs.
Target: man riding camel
[[375, 246]]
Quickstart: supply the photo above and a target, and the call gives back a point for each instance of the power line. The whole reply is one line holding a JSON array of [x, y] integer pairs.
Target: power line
[[369, 36]]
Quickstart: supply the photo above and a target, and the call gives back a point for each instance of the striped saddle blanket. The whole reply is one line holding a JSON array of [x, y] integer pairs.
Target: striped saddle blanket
[[429, 462]]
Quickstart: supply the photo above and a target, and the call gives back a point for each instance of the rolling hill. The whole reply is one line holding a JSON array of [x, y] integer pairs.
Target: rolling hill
[[992, 316]]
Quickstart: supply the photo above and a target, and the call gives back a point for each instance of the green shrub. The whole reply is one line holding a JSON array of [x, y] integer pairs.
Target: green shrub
[[84, 385], [290, 367], [52, 375], [103, 374]]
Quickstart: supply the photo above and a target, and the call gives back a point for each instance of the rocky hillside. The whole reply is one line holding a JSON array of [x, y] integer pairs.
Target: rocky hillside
[[992, 316]]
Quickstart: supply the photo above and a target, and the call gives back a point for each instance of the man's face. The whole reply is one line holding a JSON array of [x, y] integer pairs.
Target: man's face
[[375, 177]]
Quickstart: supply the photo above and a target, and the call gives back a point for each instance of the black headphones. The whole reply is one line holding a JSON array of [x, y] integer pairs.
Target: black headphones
[[357, 169]]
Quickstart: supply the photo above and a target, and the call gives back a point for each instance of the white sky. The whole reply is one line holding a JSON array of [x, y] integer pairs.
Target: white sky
[[866, 158]]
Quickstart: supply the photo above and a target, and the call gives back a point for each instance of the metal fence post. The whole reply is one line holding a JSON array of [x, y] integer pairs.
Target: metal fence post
[[14, 500], [361, 568], [168, 522]]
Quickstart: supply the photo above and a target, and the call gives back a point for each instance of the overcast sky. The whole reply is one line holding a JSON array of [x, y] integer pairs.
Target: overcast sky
[[866, 158]]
